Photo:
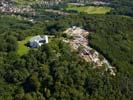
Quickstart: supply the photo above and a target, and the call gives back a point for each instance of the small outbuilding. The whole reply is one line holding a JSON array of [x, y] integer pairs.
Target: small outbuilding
[[38, 41]]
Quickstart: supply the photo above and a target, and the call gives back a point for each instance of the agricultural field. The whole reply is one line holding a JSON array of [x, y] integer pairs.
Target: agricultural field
[[89, 9], [25, 2], [22, 48]]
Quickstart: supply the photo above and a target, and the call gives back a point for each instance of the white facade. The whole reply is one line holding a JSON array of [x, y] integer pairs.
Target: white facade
[[46, 39], [38, 41]]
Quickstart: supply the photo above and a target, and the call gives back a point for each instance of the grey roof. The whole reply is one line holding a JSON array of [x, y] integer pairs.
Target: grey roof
[[36, 38]]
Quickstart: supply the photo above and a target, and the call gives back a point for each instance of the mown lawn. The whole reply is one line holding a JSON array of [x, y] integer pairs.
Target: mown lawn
[[22, 48], [89, 9]]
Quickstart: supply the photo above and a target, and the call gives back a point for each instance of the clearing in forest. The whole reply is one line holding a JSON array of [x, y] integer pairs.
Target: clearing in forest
[[22, 48], [89, 9]]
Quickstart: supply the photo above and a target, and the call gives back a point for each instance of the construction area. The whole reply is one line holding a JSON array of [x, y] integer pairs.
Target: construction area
[[79, 43]]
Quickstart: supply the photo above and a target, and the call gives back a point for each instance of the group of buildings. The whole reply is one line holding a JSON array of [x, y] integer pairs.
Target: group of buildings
[[93, 2], [57, 12], [48, 3], [6, 7]]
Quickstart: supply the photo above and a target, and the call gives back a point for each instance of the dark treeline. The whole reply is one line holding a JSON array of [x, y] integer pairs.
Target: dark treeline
[[122, 7]]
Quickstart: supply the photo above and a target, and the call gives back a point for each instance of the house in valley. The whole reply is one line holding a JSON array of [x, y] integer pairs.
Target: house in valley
[[38, 41]]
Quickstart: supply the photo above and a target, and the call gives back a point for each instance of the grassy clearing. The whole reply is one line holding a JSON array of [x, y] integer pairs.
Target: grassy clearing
[[24, 2], [22, 48], [89, 9]]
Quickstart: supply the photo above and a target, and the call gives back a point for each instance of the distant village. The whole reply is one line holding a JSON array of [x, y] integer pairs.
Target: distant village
[[49, 3], [6, 7]]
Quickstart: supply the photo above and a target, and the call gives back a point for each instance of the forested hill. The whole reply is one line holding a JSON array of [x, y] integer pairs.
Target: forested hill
[[54, 71]]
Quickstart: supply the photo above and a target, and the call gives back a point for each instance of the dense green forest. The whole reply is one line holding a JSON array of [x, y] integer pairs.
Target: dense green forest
[[115, 42], [53, 71], [122, 7]]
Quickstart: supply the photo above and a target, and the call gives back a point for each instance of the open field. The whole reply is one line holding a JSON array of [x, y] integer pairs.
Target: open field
[[89, 9], [22, 48], [25, 2]]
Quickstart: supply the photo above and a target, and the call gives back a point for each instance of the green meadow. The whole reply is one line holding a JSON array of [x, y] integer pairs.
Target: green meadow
[[22, 48], [89, 9]]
